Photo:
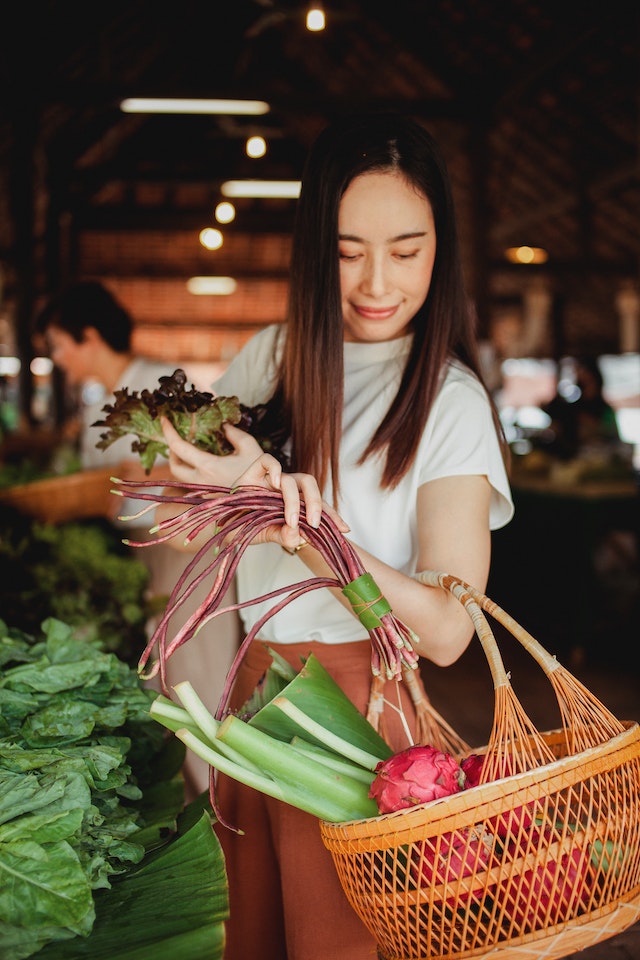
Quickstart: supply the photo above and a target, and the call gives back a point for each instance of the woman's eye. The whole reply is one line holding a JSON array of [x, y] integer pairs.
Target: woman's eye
[[348, 256], [407, 256]]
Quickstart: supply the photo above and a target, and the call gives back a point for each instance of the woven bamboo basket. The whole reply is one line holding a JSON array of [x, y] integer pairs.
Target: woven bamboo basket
[[542, 859], [76, 496]]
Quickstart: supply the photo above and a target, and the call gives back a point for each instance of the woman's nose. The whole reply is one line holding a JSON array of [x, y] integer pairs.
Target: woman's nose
[[375, 278]]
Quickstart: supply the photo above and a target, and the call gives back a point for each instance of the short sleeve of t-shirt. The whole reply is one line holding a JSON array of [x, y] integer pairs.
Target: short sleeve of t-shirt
[[460, 439], [251, 374]]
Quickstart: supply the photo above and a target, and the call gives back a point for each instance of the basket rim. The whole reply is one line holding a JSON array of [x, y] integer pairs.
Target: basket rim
[[63, 480], [391, 826]]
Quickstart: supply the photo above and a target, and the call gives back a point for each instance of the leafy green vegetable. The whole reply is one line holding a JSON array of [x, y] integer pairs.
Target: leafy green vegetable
[[77, 747], [80, 573], [197, 415]]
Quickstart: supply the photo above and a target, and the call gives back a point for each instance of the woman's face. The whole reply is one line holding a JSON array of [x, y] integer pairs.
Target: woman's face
[[387, 242], [75, 359]]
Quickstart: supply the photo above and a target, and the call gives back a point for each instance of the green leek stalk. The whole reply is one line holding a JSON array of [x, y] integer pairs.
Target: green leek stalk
[[323, 806], [253, 767], [307, 745], [180, 722], [336, 743], [332, 761], [288, 766], [316, 693]]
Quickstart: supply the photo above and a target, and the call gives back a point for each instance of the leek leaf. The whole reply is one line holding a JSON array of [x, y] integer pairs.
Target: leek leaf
[[317, 694]]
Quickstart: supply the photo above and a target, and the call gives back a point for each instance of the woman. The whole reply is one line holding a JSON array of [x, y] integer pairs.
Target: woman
[[375, 375]]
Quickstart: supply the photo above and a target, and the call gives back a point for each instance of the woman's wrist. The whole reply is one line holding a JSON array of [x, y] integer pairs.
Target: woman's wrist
[[293, 550]]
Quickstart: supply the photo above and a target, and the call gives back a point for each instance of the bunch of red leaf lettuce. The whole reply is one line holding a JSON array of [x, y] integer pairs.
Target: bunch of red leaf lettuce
[[197, 415]]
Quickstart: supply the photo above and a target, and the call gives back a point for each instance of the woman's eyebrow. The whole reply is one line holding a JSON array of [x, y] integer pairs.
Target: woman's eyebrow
[[401, 236]]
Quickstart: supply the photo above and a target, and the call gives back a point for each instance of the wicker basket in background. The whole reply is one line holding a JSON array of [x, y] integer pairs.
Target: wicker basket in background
[[542, 859], [76, 496]]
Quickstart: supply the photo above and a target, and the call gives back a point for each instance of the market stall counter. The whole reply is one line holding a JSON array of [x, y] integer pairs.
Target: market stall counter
[[578, 540]]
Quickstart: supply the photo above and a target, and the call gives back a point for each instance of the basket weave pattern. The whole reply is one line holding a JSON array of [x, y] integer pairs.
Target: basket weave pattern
[[540, 860]]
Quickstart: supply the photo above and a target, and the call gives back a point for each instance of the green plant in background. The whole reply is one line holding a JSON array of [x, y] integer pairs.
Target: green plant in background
[[80, 573]]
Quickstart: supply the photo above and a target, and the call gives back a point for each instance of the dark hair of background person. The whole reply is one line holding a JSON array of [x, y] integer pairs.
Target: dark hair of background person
[[444, 327], [88, 304], [587, 363]]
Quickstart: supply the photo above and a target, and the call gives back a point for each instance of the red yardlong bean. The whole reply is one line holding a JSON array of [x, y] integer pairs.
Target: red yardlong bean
[[236, 517]]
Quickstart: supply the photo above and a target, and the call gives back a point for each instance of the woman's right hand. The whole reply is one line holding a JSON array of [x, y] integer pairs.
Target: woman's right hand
[[267, 472], [190, 464], [248, 465]]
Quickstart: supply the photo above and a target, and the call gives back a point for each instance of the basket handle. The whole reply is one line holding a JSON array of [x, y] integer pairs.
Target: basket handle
[[462, 590], [515, 744]]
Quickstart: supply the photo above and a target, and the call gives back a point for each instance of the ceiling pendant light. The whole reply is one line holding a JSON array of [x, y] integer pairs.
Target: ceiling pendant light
[[315, 18], [184, 105], [255, 147]]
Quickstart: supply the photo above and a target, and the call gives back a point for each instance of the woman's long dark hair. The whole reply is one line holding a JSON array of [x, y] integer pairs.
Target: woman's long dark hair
[[309, 390]]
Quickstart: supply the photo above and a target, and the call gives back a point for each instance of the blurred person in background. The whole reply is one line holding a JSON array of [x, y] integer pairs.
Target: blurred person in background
[[88, 333], [582, 420]]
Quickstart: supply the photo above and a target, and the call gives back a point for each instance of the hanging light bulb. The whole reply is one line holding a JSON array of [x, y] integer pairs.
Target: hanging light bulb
[[256, 147], [211, 238], [315, 17], [225, 212]]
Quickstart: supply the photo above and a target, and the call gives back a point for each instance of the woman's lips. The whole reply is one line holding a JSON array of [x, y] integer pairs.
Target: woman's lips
[[375, 313]]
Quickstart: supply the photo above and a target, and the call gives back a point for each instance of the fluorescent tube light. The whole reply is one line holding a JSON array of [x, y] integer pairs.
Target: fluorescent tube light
[[211, 286], [287, 189], [252, 108]]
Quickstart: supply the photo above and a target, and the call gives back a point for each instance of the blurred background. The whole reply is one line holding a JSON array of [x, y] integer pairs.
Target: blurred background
[[537, 108]]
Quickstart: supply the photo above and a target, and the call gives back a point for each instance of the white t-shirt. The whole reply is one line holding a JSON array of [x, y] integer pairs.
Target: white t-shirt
[[459, 439]]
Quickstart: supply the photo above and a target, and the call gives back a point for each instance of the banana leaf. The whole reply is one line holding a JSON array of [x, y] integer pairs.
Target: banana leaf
[[172, 904]]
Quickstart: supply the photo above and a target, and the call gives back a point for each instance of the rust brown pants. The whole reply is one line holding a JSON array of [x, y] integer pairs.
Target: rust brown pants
[[286, 902]]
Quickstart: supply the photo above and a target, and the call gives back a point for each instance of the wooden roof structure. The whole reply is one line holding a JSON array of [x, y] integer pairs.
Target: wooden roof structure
[[536, 105]]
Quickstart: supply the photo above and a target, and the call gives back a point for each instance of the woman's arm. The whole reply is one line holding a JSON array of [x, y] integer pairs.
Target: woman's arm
[[454, 537]]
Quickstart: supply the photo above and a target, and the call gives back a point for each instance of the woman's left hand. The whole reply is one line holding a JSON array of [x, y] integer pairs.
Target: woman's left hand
[[190, 464], [267, 472]]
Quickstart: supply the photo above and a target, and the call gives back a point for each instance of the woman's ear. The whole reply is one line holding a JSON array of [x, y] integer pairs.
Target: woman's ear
[[91, 337]]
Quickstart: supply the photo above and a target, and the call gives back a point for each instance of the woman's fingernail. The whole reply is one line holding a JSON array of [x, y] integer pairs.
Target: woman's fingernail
[[314, 519], [293, 522]]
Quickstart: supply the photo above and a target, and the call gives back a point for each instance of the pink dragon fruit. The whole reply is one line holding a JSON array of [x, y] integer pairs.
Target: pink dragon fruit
[[415, 775], [464, 853], [507, 825], [472, 766], [561, 886]]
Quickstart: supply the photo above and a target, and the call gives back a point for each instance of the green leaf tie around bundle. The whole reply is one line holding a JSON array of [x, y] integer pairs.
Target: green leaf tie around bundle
[[367, 601]]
